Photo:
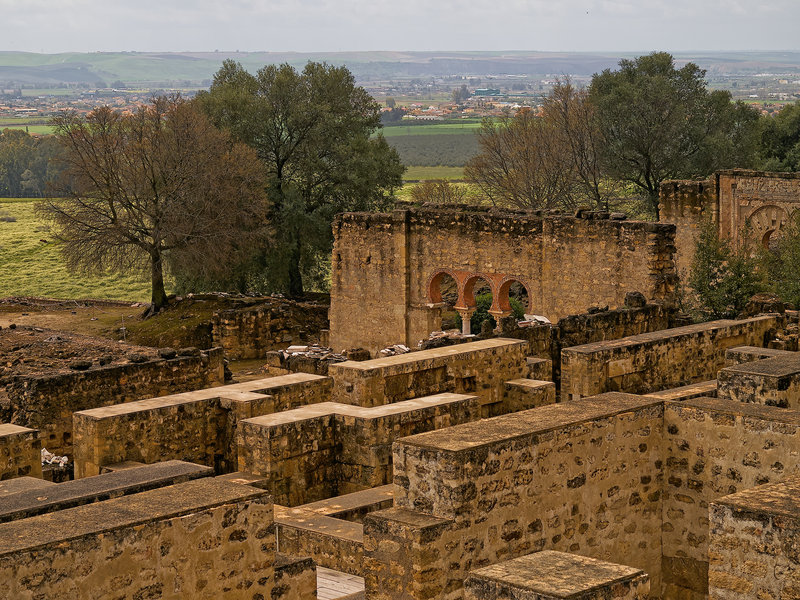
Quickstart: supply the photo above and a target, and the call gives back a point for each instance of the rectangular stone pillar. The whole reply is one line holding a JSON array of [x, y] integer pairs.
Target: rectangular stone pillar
[[551, 575]]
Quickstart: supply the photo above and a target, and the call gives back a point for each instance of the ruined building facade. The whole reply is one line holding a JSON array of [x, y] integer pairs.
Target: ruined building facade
[[387, 268]]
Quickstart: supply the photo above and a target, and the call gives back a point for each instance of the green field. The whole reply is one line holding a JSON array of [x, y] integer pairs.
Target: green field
[[420, 173], [38, 129], [32, 267], [446, 128]]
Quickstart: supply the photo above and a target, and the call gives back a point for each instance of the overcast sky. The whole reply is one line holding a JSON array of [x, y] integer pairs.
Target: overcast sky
[[339, 25]]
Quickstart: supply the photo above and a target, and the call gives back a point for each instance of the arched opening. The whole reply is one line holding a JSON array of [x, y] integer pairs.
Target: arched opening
[[443, 289], [770, 239], [514, 297], [478, 296]]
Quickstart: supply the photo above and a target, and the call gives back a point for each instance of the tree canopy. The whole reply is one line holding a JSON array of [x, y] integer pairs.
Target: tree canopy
[[659, 122], [313, 133], [160, 183], [25, 165], [780, 140]]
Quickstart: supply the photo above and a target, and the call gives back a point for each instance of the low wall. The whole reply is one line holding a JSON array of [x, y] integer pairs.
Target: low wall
[[754, 551], [773, 381], [478, 368], [661, 360], [713, 448], [213, 540], [551, 575], [20, 452], [581, 477], [47, 402], [271, 325], [195, 426], [329, 449]]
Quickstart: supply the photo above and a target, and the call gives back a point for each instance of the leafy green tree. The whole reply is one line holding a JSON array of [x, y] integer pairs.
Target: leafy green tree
[[722, 279], [25, 163], [659, 122], [780, 140], [313, 132], [781, 262]]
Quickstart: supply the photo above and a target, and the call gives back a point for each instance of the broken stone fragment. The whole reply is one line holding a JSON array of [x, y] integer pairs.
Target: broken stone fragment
[[167, 353], [137, 358], [189, 351], [80, 365]]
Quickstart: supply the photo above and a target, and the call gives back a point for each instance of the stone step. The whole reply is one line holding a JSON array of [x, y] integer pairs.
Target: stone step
[[79, 492]]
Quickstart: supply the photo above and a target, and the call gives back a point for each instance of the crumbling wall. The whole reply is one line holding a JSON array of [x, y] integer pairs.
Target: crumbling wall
[[20, 452], [566, 264], [479, 368], [201, 539], [319, 451], [754, 552], [714, 448], [686, 204], [46, 402], [656, 361], [581, 477], [199, 426], [253, 331]]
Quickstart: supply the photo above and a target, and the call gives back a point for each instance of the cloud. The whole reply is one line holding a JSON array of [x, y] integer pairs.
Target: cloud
[[331, 25]]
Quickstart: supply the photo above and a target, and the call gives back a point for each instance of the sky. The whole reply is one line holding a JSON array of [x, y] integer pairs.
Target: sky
[[53, 26]]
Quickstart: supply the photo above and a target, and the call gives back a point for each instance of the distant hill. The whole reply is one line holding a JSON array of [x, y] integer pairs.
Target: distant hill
[[197, 68]]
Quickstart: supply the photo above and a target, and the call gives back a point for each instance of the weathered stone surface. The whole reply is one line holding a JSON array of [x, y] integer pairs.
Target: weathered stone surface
[[772, 381], [743, 354], [565, 263], [10, 487], [326, 449], [33, 502], [478, 368], [201, 539], [549, 575], [656, 361], [20, 452], [754, 543], [523, 394], [295, 578], [198, 426], [582, 477]]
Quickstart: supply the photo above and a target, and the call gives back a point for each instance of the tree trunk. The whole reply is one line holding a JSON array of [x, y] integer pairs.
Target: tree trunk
[[295, 278], [159, 295]]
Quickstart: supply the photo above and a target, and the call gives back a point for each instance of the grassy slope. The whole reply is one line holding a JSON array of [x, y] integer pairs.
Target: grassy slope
[[31, 267]]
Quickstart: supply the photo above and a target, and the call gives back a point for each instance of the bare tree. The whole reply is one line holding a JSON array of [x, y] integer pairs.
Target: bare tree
[[524, 162], [160, 182], [438, 191], [573, 116]]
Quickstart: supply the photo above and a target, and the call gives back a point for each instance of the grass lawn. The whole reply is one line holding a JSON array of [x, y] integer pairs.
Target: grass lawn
[[38, 129], [420, 173], [33, 267]]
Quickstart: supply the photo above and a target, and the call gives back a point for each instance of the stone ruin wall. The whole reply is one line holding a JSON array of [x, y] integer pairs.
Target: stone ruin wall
[[252, 332], [20, 452], [580, 478], [383, 265], [47, 402], [660, 360], [729, 199], [196, 540]]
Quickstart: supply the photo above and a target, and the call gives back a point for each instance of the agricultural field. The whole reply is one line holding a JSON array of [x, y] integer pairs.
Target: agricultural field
[[435, 150], [35, 125], [446, 128], [417, 173], [31, 264]]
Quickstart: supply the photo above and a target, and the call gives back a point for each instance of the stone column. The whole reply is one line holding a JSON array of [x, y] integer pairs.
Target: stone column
[[465, 320]]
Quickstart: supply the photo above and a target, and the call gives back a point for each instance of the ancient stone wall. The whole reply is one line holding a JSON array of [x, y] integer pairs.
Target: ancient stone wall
[[196, 426], [581, 477], [772, 381], [714, 448], [566, 264], [47, 402], [656, 361], [754, 543], [729, 199], [322, 450], [253, 331], [20, 452], [201, 539], [479, 368], [549, 575]]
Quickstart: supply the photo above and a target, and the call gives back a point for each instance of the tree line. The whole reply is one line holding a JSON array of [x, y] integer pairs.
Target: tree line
[[629, 130]]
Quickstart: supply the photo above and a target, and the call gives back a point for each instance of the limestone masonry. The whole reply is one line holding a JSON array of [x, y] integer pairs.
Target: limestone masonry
[[618, 452]]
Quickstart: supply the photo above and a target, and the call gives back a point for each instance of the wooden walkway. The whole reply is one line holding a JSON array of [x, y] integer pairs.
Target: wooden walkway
[[333, 584]]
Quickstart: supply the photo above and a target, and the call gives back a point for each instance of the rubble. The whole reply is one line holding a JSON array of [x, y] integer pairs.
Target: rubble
[[394, 350]]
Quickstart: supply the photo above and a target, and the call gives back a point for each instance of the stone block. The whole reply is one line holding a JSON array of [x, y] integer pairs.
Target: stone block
[[551, 575], [20, 452], [772, 381]]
